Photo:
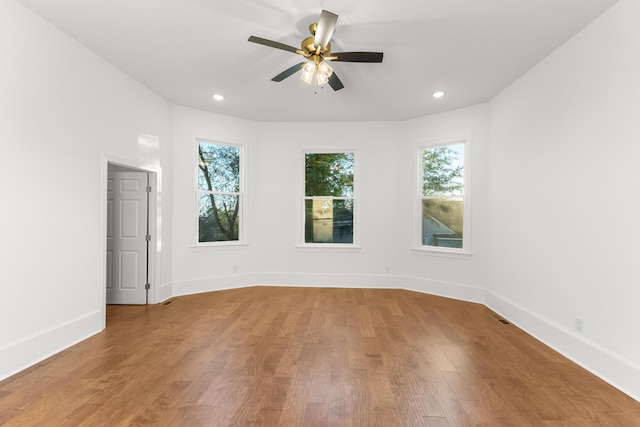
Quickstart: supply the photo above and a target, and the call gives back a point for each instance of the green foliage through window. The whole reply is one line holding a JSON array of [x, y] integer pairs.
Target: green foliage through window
[[442, 169], [442, 196], [329, 197], [218, 192], [329, 174]]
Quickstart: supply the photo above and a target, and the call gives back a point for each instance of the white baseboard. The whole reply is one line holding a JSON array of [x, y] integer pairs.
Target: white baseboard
[[19, 355], [163, 293], [611, 367], [374, 281], [210, 284], [452, 290]]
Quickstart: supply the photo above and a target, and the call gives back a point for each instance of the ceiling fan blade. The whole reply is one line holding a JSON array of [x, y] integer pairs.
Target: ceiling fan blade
[[271, 43], [335, 82], [326, 26], [357, 56], [288, 72]]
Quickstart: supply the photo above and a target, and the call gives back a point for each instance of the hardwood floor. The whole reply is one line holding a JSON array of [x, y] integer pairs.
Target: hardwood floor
[[310, 356]]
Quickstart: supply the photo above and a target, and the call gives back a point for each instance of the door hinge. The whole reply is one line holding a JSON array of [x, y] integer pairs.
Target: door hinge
[[148, 189], [147, 237], [147, 286]]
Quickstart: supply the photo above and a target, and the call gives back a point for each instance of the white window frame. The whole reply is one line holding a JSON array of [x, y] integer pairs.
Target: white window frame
[[242, 211], [331, 247], [418, 244]]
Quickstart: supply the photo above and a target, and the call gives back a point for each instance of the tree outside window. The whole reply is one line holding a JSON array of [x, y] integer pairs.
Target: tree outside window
[[329, 197], [442, 201], [219, 196]]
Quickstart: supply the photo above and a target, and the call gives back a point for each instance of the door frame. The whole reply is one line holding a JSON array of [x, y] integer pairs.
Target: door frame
[[155, 174]]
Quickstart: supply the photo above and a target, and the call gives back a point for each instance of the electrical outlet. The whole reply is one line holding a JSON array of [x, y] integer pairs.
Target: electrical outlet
[[387, 270], [579, 324], [235, 268]]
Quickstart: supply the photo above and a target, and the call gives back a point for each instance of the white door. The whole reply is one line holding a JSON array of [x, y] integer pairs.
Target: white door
[[127, 219]]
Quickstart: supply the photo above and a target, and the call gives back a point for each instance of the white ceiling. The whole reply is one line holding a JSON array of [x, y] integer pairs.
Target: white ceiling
[[187, 50]]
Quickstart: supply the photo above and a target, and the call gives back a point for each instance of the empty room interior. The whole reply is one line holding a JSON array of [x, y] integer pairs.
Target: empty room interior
[[320, 213]]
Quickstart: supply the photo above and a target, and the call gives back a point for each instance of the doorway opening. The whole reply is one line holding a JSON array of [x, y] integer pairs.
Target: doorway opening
[[130, 208]]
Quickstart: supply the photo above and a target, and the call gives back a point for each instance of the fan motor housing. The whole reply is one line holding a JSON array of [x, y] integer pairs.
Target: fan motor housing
[[308, 46]]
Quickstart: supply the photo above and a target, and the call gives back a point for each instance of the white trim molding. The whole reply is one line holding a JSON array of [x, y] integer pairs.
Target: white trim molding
[[457, 291], [243, 150], [611, 367], [19, 355], [329, 247], [417, 238]]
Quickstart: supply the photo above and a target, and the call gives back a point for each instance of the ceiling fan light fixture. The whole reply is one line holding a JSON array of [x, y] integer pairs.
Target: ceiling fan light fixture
[[308, 70], [321, 79], [317, 52], [324, 72]]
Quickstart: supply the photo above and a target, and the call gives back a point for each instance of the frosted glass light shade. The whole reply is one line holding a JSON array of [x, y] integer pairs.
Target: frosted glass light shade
[[307, 72], [324, 72]]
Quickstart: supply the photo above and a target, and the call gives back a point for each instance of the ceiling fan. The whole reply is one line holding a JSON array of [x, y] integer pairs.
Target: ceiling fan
[[317, 51]]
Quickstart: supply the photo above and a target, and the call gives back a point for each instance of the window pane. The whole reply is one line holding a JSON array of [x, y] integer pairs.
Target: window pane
[[328, 221], [443, 169], [442, 220], [221, 223], [218, 167], [329, 174]]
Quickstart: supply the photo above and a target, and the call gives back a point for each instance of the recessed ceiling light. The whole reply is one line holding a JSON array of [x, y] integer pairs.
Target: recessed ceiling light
[[438, 94], [218, 97]]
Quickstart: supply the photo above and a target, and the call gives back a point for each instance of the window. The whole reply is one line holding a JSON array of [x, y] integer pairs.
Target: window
[[329, 198], [443, 209], [219, 192]]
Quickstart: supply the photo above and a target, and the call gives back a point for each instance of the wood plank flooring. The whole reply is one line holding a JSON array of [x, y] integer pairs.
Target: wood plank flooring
[[276, 356]]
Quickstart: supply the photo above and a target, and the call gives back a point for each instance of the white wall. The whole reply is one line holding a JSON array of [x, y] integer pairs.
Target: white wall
[[385, 171], [200, 264], [278, 204], [62, 110], [564, 203], [470, 272]]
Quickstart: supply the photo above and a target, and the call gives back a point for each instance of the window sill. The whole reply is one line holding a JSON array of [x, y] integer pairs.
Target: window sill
[[219, 246], [446, 253], [320, 247]]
